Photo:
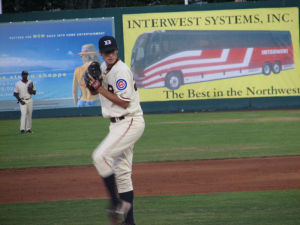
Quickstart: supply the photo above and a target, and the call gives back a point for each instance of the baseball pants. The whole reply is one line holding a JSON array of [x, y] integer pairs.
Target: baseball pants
[[115, 153], [26, 115]]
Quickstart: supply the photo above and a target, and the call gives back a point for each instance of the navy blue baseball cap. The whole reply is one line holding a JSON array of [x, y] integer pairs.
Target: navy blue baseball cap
[[107, 44], [24, 72]]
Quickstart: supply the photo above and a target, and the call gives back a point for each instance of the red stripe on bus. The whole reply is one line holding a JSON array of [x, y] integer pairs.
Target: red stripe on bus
[[206, 54]]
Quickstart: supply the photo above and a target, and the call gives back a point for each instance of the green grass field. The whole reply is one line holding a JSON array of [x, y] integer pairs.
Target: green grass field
[[168, 137], [243, 208]]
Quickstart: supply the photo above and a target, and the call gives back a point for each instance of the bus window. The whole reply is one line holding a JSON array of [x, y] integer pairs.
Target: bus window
[[154, 50], [139, 54]]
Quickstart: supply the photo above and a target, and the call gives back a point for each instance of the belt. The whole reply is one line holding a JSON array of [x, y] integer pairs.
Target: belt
[[115, 119], [26, 98]]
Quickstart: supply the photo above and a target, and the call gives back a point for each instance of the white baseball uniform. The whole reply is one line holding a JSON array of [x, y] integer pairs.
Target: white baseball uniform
[[26, 110], [115, 153]]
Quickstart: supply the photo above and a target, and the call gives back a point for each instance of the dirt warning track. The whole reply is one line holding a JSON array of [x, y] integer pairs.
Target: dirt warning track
[[152, 179]]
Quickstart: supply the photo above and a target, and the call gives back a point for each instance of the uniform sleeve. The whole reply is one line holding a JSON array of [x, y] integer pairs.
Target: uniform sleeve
[[16, 89], [124, 85]]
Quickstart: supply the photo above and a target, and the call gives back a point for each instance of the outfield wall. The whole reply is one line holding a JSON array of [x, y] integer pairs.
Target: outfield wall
[[169, 105]]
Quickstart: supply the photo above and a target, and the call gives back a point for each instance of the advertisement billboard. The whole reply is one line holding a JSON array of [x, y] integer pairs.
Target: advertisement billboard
[[50, 51], [214, 54]]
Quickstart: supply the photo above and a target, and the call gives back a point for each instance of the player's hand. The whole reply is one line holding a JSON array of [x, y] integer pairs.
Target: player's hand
[[94, 83], [22, 102], [30, 89], [93, 78]]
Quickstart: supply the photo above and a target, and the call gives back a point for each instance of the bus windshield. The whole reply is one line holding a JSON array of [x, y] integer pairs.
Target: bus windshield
[[138, 51]]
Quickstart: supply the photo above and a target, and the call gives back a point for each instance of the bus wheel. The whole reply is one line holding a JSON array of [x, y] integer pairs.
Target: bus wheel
[[266, 69], [276, 67], [173, 80]]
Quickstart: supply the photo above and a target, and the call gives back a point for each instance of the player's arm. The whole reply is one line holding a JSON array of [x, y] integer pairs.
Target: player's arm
[[93, 80], [18, 98], [16, 94], [113, 97]]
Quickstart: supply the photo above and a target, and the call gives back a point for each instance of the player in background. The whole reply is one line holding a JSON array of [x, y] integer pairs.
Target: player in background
[[113, 157], [88, 54], [23, 92]]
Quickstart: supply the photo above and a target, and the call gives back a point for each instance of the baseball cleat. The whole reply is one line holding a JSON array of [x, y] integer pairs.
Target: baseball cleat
[[119, 213], [28, 131], [22, 131], [123, 208]]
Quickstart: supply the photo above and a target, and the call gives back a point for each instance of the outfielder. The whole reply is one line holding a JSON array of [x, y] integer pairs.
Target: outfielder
[[23, 91], [120, 103], [88, 54]]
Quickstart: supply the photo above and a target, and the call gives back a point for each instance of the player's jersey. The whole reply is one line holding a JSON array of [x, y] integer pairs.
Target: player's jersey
[[22, 89], [119, 80], [79, 79]]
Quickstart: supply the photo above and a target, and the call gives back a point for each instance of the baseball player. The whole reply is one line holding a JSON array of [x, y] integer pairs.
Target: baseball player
[[120, 103], [88, 54], [23, 91]]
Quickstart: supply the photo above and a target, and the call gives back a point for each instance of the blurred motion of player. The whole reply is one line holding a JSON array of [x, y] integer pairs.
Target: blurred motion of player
[[120, 102], [88, 54]]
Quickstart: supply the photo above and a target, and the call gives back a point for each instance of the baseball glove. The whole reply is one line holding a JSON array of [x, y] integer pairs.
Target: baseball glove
[[30, 89], [92, 77]]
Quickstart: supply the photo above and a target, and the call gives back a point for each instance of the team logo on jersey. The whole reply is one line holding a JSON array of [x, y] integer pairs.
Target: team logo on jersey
[[121, 84]]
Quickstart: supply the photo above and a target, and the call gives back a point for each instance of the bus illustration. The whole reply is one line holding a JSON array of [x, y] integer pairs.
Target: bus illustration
[[171, 58]]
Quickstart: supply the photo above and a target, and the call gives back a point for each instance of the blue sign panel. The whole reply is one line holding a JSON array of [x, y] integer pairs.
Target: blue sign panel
[[50, 51]]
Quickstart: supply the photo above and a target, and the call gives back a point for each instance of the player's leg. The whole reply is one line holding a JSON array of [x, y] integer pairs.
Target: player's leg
[[123, 166], [104, 156], [121, 136], [123, 171], [29, 116], [103, 164], [23, 109]]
